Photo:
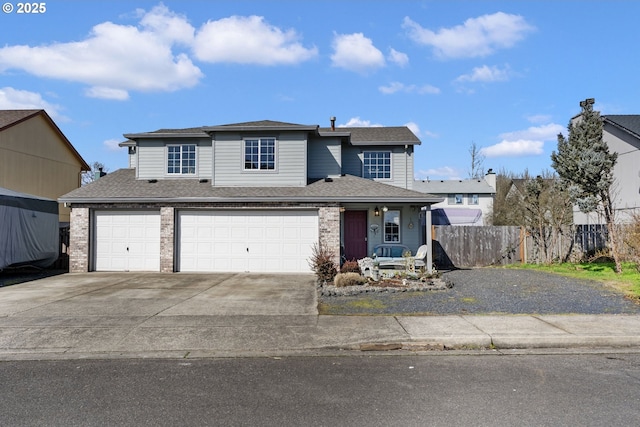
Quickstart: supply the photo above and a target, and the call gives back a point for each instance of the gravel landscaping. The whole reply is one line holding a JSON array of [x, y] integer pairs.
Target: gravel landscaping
[[489, 291]]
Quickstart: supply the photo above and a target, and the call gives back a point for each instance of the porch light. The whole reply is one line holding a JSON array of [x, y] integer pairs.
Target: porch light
[[376, 211]]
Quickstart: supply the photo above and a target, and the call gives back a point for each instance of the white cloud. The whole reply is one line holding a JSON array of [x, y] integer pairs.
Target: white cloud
[[356, 122], [107, 93], [148, 63], [249, 40], [355, 52], [15, 99], [112, 144], [485, 74], [444, 172], [414, 128], [398, 58], [395, 87], [517, 148], [539, 118], [526, 142], [548, 132], [477, 37]]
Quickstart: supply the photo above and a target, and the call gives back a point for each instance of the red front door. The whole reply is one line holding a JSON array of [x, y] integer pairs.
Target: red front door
[[355, 234]]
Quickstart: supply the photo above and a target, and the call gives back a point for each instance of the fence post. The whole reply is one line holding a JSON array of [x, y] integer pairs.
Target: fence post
[[523, 245]]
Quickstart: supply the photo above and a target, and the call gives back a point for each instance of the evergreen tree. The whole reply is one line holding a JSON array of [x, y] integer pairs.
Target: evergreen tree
[[585, 166]]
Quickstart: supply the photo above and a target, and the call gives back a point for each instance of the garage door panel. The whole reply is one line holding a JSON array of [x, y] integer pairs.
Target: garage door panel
[[245, 240], [127, 241]]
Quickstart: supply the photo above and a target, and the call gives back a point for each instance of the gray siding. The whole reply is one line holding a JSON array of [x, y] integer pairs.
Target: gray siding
[[325, 158], [152, 158], [401, 163], [291, 162]]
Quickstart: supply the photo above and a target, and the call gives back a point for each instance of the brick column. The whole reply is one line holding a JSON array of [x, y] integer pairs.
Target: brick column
[[79, 240], [329, 230], [167, 233]]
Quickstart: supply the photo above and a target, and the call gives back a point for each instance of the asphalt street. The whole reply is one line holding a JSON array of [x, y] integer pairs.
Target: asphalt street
[[436, 390]]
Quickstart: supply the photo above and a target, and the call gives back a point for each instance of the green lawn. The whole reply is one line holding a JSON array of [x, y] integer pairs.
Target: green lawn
[[628, 281]]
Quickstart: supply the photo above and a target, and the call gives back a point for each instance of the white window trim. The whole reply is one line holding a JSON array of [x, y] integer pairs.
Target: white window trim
[[384, 233], [390, 164], [177, 174], [275, 154], [470, 199]]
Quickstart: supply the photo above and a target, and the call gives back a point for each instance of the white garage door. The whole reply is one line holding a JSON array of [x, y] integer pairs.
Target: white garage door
[[256, 241], [127, 241]]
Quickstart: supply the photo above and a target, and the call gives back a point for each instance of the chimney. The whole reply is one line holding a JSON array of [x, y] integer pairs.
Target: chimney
[[333, 122], [99, 174], [490, 177]]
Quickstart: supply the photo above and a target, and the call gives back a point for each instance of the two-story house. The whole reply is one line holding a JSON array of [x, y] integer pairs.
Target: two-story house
[[622, 135], [36, 158], [253, 196], [466, 201]]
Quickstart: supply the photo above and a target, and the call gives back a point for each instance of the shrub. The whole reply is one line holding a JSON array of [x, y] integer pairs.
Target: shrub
[[349, 279], [350, 267], [321, 262]]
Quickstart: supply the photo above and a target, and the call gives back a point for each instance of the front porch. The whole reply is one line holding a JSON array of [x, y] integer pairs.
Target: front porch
[[363, 226]]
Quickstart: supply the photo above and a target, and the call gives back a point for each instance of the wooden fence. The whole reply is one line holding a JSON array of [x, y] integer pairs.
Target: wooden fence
[[465, 246]]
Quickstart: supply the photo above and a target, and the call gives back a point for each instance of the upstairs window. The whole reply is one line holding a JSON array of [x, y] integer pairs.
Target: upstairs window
[[456, 199], [181, 159], [260, 154], [377, 165], [474, 199]]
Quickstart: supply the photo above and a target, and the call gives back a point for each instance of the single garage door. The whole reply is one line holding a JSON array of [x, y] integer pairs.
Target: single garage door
[[241, 240], [127, 241]]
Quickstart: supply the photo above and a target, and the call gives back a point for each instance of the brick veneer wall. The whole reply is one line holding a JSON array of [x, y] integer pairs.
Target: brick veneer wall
[[167, 233], [79, 240], [329, 230], [79, 255]]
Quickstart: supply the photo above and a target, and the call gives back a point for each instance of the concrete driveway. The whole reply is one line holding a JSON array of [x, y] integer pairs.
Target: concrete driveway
[[156, 294]]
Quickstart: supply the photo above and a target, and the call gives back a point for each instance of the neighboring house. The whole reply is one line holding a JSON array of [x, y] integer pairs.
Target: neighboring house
[[253, 196], [622, 135], [466, 202], [36, 158]]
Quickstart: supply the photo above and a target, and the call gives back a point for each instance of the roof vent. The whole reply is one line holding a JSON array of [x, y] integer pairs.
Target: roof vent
[[152, 181], [327, 179]]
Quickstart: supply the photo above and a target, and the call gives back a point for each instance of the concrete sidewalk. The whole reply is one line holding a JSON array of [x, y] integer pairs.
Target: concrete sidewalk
[[107, 316]]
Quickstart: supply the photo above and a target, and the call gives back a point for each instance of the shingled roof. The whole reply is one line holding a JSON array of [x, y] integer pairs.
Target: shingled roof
[[122, 186], [452, 186], [381, 135], [629, 123]]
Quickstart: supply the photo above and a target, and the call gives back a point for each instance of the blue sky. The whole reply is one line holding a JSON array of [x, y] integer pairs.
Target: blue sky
[[505, 75]]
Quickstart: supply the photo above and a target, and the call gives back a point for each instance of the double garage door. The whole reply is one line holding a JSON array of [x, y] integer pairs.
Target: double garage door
[[255, 241], [208, 241]]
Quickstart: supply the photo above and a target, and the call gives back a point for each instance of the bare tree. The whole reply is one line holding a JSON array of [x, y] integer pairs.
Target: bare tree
[[98, 169], [477, 161]]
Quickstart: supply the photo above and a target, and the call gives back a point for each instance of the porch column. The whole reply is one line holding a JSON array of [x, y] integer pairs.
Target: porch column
[[428, 241]]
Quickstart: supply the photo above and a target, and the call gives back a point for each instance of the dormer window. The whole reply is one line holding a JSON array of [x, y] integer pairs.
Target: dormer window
[[377, 165], [181, 159], [260, 154]]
